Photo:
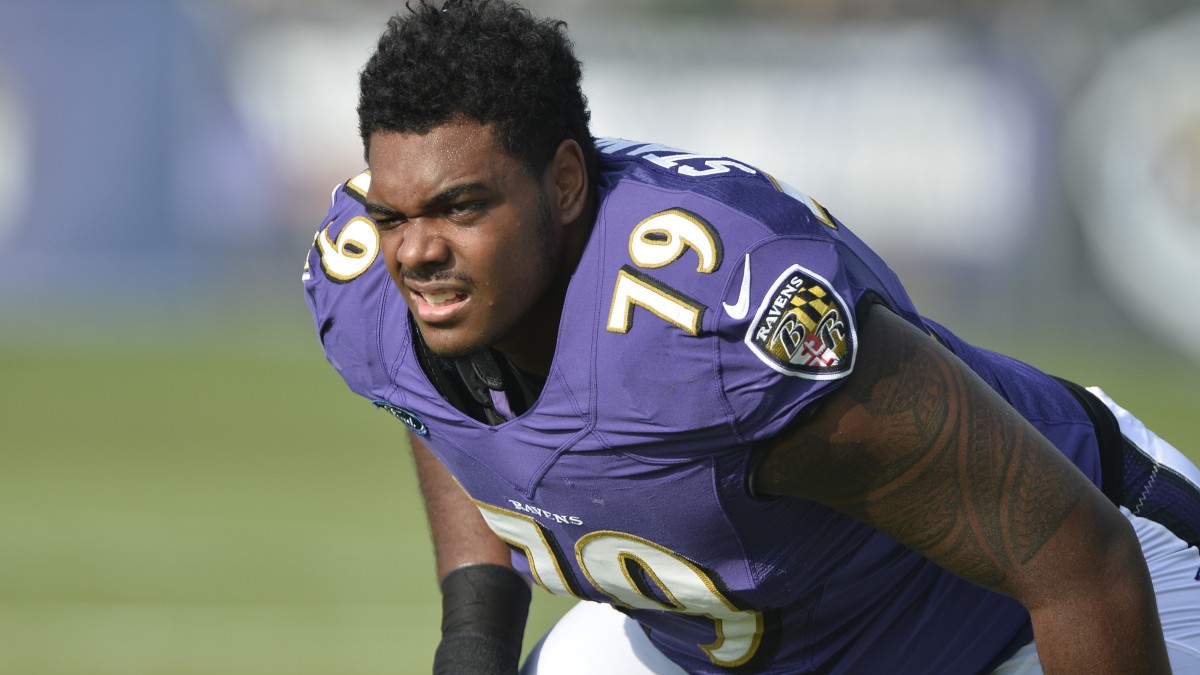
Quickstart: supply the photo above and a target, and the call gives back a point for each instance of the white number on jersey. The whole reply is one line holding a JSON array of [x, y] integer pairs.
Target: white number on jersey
[[608, 559]]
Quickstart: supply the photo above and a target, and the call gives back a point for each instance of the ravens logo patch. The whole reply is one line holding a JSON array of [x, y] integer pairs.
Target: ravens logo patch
[[803, 328]]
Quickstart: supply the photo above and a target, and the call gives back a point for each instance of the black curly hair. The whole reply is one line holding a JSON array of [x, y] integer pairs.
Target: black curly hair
[[488, 60]]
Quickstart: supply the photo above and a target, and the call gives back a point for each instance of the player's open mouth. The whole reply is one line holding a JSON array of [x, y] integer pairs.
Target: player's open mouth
[[439, 298], [436, 306]]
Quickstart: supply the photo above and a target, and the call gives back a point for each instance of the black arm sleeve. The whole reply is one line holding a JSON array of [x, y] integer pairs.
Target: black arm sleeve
[[484, 609]]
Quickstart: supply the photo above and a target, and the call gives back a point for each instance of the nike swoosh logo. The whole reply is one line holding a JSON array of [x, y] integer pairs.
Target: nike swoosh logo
[[739, 310]]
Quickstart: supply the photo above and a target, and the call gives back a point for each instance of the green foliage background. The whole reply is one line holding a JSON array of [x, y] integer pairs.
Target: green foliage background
[[203, 495]]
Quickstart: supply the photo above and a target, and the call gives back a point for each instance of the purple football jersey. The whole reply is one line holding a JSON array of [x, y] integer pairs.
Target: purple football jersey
[[711, 307]]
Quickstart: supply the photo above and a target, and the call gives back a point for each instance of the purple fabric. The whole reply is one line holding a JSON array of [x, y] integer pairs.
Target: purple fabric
[[1155, 491], [500, 402]]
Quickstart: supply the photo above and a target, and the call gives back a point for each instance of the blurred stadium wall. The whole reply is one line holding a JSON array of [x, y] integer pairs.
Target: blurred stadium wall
[[1028, 166]]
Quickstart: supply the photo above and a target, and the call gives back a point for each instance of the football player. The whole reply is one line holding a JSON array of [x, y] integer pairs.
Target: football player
[[672, 385]]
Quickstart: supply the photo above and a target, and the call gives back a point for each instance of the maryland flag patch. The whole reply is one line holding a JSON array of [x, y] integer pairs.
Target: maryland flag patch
[[803, 328]]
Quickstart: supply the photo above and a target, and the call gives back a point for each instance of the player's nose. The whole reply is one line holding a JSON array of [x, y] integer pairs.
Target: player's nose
[[422, 246]]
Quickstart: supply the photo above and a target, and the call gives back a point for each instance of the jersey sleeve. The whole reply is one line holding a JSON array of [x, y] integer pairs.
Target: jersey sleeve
[[788, 326], [733, 305], [723, 312], [347, 289]]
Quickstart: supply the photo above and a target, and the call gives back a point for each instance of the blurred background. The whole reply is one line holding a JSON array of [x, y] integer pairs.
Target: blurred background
[[187, 487]]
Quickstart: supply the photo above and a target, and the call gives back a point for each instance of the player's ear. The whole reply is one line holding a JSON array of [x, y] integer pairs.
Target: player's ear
[[567, 181]]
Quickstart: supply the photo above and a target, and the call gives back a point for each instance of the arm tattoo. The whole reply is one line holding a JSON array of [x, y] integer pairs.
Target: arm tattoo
[[918, 446]]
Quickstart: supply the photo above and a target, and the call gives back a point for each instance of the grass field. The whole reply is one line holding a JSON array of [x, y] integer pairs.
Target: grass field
[[217, 502]]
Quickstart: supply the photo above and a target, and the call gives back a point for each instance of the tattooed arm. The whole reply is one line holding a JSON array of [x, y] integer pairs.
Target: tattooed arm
[[916, 445]]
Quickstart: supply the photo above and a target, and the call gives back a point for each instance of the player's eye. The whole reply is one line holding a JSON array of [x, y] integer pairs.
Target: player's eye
[[464, 209], [383, 222]]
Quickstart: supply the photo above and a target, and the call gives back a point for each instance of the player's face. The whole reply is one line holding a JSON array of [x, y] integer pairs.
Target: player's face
[[468, 235]]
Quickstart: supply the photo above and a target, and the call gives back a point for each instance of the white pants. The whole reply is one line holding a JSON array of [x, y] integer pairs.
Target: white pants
[[595, 639]]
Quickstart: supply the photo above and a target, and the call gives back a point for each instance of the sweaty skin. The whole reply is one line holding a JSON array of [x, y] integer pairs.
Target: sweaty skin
[[480, 249], [916, 445]]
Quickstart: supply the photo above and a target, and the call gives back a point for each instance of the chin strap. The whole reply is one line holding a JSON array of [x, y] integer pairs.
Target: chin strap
[[468, 382]]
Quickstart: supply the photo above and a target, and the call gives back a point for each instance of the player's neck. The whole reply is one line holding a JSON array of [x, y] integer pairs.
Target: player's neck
[[534, 351]]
